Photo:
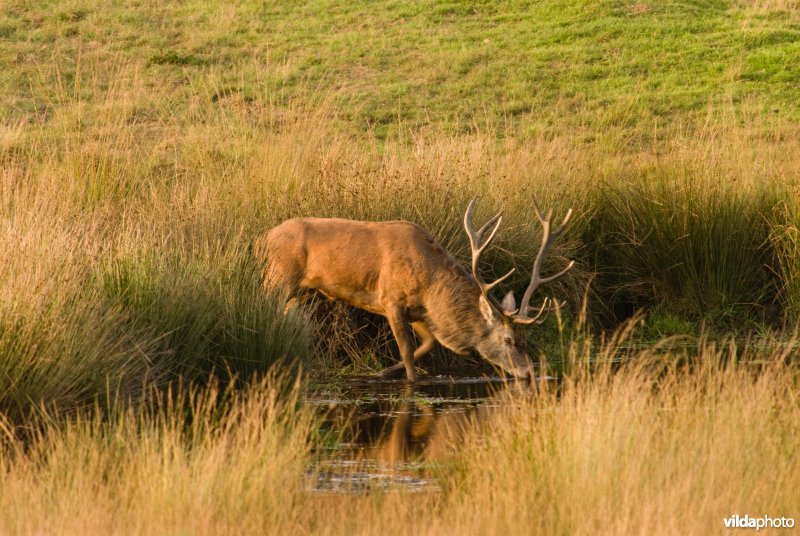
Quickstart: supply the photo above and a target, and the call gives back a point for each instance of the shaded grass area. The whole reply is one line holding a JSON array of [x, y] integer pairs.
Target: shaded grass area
[[203, 320], [679, 243]]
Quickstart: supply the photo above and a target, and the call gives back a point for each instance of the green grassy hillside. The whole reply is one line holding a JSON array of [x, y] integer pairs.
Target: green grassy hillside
[[590, 69]]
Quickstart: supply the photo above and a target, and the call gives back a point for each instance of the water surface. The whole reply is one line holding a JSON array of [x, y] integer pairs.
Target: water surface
[[389, 435]]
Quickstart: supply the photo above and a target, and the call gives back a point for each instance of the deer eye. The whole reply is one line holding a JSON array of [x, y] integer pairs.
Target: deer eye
[[508, 340]]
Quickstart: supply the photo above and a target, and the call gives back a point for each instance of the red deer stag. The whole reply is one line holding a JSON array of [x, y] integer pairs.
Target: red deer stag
[[397, 270]]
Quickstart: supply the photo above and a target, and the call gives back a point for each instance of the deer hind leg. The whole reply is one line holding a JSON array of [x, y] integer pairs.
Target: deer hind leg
[[291, 303], [282, 279], [291, 295], [427, 342]]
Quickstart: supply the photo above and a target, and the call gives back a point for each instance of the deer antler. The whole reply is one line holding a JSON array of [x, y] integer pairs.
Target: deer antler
[[548, 237], [478, 245]]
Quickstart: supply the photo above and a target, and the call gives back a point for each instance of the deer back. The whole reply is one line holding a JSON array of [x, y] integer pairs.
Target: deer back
[[366, 264]]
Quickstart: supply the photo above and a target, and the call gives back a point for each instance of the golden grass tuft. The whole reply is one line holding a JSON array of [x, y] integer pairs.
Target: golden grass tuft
[[191, 460]]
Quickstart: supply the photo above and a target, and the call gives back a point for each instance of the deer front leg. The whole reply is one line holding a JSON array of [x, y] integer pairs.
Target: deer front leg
[[427, 342], [400, 330]]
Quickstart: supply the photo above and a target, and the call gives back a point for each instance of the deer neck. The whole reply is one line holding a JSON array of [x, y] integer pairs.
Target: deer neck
[[453, 314]]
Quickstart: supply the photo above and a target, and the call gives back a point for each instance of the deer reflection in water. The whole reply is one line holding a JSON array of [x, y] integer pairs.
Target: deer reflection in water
[[397, 440]]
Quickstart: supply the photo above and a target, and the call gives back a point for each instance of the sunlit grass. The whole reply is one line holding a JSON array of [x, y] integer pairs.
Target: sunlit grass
[[591, 70], [197, 460], [663, 443], [114, 289]]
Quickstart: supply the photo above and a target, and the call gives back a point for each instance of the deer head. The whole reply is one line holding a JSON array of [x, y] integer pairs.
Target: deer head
[[504, 342]]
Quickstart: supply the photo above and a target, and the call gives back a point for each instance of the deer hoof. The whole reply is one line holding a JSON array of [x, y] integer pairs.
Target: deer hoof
[[393, 371]]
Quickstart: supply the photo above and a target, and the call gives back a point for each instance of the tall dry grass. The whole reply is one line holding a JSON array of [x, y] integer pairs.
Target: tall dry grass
[[128, 232], [663, 443], [189, 460], [667, 444]]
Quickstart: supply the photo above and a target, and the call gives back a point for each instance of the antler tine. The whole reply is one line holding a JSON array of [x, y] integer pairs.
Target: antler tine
[[476, 237], [496, 219], [546, 220], [559, 274], [489, 286], [544, 309], [563, 225], [478, 244], [548, 237]]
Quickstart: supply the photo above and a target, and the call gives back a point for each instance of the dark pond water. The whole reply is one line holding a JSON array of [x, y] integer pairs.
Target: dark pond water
[[389, 435]]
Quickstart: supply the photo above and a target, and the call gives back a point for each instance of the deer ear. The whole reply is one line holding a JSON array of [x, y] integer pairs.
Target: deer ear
[[486, 310], [509, 304]]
